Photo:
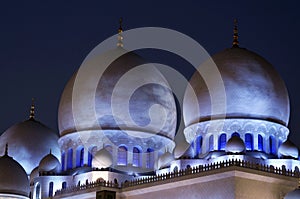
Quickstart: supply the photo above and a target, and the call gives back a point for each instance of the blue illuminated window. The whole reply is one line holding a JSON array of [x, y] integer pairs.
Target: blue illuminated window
[[79, 157], [122, 155], [63, 156], [222, 141], [70, 159], [249, 141], [150, 158], [38, 191], [136, 157], [211, 143], [198, 144], [50, 189], [272, 144], [260, 143]]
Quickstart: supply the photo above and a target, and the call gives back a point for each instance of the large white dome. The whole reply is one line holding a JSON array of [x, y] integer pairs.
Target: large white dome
[[29, 142], [128, 95], [13, 178], [253, 89]]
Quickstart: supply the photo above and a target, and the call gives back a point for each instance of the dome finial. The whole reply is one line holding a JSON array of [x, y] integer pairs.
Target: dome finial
[[50, 152], [120, 30], [235, 42], [31, 116], [6, 149]]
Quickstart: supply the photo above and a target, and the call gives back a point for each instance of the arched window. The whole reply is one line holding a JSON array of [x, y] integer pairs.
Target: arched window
[[150, 158], [260, 143], [211, 143], [79, 156], [235, 134], [249, 141], [136, 157], [198, 144], [50, 189], [63, 156], [64, 185], [272, 144], [70, 159], [38, 191], [91, 154], [222, 141], [122, 155]]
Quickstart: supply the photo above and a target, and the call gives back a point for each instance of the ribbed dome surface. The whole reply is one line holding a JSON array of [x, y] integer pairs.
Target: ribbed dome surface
[[253, 89], [13, 178], [50, 164], [29, 142], [125, 96]]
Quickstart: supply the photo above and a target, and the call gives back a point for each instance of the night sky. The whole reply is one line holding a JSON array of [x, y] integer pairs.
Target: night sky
[[43, 44]]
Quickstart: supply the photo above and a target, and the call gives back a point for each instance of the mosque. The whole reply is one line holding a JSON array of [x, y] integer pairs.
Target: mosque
[[121, 149]]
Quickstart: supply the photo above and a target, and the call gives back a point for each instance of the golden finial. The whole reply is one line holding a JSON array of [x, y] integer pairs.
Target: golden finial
[[235, 42], [31, 116], [6, 149], [120, 30]]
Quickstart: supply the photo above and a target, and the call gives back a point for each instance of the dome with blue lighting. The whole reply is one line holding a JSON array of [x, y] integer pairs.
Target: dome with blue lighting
[[50, 164], [129, 95], [29, 142], [13, 178], [235, 145], [288, 150], [253, 89]]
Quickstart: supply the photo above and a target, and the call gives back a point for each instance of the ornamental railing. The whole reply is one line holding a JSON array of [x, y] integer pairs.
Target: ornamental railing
[[88, 185], [183, 172]]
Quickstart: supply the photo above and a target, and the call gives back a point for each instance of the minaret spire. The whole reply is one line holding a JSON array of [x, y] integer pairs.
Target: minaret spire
[[235, 42], [31, 116], [120, 30]]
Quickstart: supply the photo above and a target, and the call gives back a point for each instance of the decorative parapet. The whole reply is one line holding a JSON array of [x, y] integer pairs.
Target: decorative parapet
[[184, 172], [89, 185], [210, 167]]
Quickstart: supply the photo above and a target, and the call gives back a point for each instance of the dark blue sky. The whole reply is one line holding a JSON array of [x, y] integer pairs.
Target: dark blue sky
[[42, 44]]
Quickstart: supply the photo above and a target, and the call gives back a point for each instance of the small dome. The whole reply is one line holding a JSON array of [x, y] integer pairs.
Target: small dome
[[13, 178], [102, 159], [248, 79], [130, 94], [165, 160], [29, 142], [235, 145], [34, 174], [295, 194], [50, 164], [288, 149]]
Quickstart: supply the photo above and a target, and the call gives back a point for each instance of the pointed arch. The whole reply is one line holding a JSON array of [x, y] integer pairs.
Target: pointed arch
[[122, 155], [222, 141], [249, 141], [260, 142], [150, 158], [136, 156], [70, 159]]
